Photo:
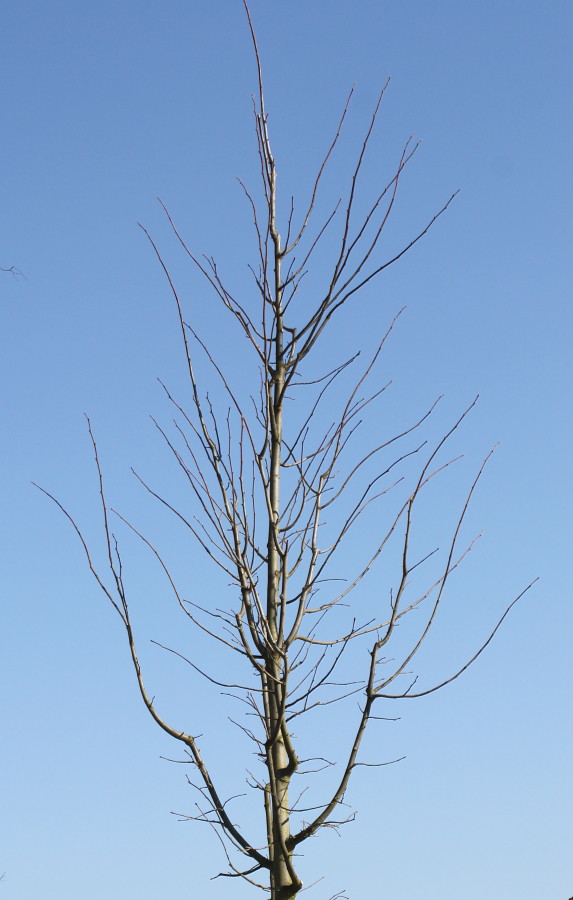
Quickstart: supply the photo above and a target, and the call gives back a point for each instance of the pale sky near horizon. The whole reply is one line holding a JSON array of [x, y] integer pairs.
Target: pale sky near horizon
[[107, 107]]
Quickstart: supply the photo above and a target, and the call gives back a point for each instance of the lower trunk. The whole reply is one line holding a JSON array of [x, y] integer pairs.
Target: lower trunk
[[285, 883]]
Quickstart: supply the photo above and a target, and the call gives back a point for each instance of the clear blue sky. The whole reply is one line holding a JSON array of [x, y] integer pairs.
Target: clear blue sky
[[104, 108]]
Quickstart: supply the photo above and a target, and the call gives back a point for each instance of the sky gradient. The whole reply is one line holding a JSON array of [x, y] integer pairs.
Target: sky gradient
[[107, 107]]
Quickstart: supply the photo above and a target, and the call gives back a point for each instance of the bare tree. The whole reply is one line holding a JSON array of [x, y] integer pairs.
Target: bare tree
[[264, 475]]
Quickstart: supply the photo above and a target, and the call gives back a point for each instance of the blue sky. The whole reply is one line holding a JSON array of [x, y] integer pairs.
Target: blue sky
[[107, 107]]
